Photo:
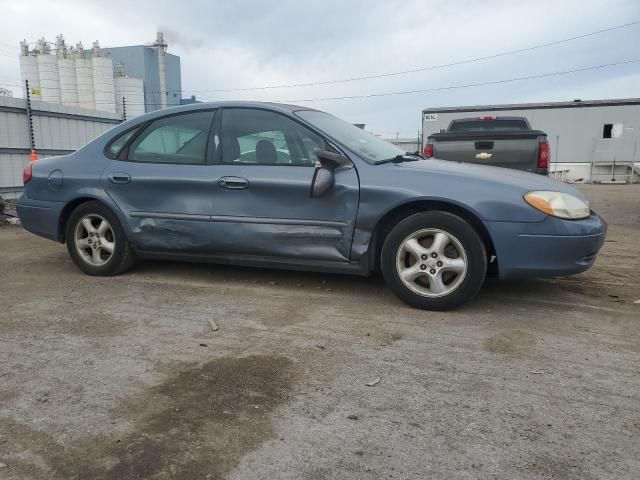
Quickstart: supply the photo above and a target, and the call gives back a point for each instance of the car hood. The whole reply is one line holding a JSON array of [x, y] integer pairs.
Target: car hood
[[524, 181]]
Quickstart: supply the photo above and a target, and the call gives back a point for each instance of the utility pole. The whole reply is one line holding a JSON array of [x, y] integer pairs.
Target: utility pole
[[32, 139]]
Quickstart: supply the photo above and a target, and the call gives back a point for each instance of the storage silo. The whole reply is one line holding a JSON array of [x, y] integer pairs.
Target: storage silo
[[67, 70], [132, 90], [68, 85], [29, 70], [103, 84], [84, 79], [49, 75]]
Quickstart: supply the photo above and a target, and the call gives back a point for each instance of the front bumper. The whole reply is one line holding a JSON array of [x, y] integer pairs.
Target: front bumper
[[40, 217], [551, 247]]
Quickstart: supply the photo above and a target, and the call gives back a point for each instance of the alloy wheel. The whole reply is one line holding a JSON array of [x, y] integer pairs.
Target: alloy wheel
[[431, 262], [94, 240]]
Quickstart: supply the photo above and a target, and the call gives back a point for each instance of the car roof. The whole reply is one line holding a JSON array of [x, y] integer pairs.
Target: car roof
[[277, 107], [246, 104]]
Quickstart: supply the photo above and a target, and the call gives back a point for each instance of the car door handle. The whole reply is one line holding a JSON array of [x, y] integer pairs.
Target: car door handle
[[233, 183], [119, 177]]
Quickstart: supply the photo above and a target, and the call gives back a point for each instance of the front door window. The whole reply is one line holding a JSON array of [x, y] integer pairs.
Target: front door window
[[252, 136]]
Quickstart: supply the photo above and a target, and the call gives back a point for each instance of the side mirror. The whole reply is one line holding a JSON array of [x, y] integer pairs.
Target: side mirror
[[322, 182], [324, 176], [330, 159]]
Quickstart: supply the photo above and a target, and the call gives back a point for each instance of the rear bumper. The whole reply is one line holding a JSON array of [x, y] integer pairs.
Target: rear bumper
[[40, 217], [552, 247]]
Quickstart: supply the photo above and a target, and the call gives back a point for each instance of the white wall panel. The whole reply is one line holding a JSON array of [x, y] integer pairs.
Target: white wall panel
[[55, 128]]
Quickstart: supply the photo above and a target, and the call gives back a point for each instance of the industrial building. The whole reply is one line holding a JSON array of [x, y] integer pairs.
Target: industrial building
[[77, 94], [128, 80], [158, 70], [591, 141]]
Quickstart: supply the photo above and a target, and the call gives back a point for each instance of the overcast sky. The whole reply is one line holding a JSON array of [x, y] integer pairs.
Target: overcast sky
[[248, 43]]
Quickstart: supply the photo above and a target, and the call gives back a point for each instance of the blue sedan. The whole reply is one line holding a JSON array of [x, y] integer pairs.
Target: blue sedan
[[284, 186]]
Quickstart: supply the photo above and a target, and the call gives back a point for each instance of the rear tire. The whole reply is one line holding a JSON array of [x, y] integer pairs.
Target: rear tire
[[434, 261], [96, 242]]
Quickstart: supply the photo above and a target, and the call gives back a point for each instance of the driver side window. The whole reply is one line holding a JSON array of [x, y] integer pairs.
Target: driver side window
[[252, 136]]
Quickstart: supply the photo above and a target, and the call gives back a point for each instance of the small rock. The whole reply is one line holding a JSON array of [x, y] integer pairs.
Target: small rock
[[359, 452], [298, 285], [2, 465], [321, 347], [203, 344], [273, 283], [352, 417], [176, 409], [373, 383], [637, 302]]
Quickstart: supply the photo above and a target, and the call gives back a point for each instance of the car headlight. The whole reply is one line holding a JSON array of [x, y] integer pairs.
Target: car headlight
[[557, 204]]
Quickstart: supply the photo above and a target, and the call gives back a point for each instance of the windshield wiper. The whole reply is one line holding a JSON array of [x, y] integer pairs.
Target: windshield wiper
[[408, 157]]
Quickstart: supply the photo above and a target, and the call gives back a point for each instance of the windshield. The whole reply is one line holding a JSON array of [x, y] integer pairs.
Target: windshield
[[369, 147]]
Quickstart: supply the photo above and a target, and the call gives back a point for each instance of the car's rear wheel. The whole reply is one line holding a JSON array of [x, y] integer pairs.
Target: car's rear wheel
[[434, 261], [96, 242]]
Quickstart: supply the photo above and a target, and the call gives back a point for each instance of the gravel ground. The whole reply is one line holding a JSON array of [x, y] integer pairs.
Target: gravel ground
[[123, 377]]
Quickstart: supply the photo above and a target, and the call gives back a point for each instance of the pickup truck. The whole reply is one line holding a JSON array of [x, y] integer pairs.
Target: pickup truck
[[498, 141]]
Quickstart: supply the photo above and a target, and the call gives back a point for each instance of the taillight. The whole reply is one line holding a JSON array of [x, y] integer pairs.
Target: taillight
[[487, 118], [428, 149], [543, 153], [26, 173]]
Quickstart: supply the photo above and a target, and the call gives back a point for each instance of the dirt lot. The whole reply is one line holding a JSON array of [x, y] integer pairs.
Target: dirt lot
[[123, 377]]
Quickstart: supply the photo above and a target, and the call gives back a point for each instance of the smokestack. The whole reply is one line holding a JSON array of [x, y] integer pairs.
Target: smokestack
[[161, 47]]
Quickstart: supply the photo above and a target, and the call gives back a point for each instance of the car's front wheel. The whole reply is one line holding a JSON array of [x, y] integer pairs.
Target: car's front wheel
[[434, 260], [96, 241]]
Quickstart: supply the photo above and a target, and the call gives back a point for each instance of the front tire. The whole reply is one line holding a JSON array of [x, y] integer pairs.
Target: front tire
[[434, 261], [96, 242]]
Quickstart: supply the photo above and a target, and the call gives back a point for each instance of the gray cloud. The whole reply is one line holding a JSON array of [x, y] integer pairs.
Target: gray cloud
[[248, 43]]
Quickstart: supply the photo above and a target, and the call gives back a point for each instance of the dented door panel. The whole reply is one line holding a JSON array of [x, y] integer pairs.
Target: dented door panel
[[275, 215], [167, 206], [184, 208]]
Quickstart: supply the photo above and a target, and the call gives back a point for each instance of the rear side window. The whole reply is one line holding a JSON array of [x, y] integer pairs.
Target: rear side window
[[488, 126], [116, 146], [175, 139]]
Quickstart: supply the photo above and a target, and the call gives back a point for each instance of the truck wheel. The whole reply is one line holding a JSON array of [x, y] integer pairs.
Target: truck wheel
[[434, 261], [96, 242]]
